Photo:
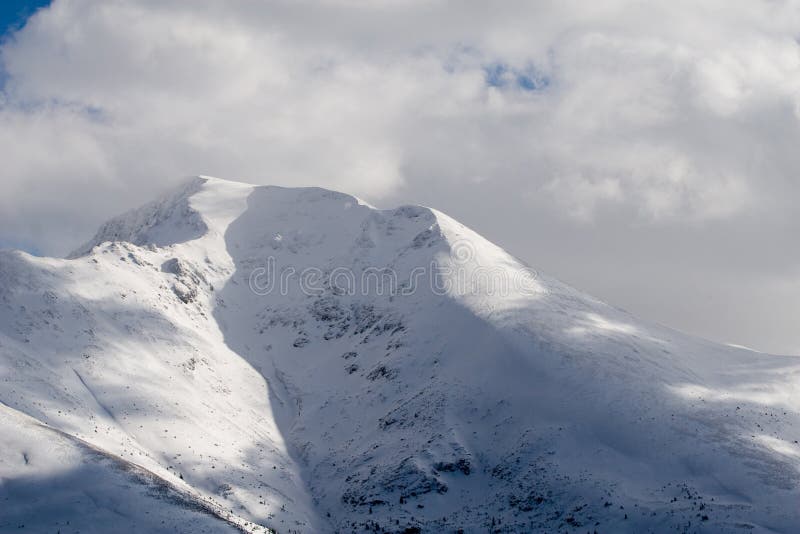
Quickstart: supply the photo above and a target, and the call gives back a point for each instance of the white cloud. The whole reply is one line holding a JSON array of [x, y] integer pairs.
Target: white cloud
[[666, 112], [281, 92]]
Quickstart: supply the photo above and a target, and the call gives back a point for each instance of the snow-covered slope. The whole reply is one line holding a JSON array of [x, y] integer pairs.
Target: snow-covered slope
[[233, 356]]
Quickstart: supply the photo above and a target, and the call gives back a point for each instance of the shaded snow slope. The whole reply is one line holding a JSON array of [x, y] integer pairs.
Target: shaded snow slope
[[54, 482], [420, 377]]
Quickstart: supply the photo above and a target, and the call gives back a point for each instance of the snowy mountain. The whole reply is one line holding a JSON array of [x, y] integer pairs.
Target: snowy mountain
[[244, 358]]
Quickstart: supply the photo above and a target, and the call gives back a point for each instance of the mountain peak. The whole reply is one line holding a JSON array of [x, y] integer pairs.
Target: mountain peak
[[199, 205], [308, 362], [165, 221]]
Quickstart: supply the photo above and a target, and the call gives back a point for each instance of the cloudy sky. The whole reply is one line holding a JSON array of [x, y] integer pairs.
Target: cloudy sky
[[646, 152]]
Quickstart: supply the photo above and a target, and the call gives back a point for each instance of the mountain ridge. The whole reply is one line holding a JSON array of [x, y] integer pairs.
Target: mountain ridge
[[470, 393]]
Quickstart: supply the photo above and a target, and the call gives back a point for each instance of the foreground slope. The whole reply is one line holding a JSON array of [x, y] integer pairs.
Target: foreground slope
[[297, 359], [55, 482]]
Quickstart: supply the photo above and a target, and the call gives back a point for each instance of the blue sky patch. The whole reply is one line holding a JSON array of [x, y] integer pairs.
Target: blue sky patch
[[14, 13], [502, 76]]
